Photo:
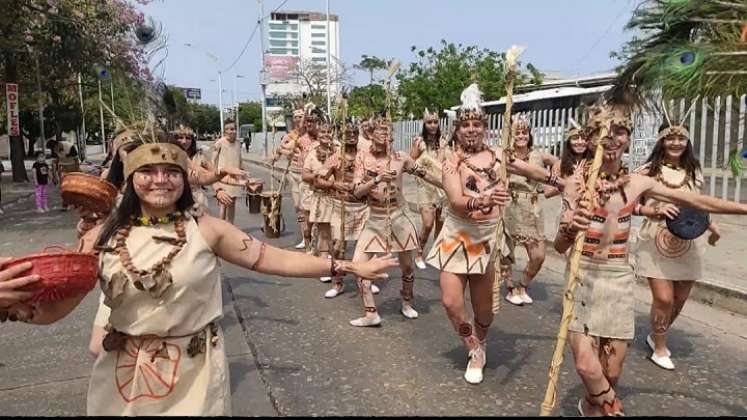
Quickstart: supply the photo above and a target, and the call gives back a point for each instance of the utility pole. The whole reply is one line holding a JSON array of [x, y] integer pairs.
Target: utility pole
[[262, 70], [329, 75], [41, 105]]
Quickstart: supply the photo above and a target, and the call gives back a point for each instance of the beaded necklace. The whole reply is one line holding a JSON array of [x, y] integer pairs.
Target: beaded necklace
[[660, 177], [488, 171], [156, 279], [153, 220]]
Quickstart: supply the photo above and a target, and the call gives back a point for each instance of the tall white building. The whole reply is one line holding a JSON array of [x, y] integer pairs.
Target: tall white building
[[297, 41]]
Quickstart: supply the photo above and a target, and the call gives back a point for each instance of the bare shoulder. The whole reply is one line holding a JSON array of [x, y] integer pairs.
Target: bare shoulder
[[212, 229]]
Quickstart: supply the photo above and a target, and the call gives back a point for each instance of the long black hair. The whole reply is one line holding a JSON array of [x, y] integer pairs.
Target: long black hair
[[116, 170], [130, 207], [568, 158], [688, 162], [424, 135]]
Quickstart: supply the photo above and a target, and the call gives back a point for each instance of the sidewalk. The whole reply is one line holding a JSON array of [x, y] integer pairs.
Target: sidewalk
[[725, 285]]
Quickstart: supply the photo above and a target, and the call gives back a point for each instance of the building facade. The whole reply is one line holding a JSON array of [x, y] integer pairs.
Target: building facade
[[297, 46]]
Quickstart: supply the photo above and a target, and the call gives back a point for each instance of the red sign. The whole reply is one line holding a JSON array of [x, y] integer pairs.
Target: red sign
[[11, 96], [279, 67]]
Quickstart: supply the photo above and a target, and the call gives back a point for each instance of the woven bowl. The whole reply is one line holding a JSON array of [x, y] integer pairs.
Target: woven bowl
[[89, 192], [62, 275]]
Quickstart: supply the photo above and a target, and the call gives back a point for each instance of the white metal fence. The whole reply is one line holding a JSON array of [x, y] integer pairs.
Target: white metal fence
[[717, 126]]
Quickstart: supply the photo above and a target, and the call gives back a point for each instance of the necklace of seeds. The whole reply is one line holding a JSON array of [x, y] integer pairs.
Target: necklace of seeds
[[660, 178], [156, 279], [488, 171]]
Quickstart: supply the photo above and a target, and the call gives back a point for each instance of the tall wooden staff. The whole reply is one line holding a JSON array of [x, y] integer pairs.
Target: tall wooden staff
[[575, 260], [393, 67], [512, 56], [344, 112]]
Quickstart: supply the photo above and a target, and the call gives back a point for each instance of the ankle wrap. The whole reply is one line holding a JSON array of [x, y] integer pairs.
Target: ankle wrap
[[408, 283]]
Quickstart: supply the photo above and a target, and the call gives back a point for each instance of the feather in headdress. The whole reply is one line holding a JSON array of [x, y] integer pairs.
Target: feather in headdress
[[688, 47]]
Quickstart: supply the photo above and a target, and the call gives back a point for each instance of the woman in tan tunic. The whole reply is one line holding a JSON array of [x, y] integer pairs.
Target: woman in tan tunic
[[671, 264], [524, 219], [160, 272], [429, 150]]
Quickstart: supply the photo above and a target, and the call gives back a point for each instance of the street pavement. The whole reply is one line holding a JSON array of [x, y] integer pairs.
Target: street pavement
[[292, 352]]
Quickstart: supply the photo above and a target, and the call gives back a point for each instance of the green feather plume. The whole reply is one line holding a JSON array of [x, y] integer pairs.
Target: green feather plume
[[736, 159], [685, 48]]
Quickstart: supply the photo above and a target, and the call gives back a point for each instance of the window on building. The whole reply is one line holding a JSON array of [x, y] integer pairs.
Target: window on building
[[318, 50], [279, 35], [279, 26], [319, 59], [322, 43], [276, 43], [318, 35], [280, 51], [294, 51], [319, 27]]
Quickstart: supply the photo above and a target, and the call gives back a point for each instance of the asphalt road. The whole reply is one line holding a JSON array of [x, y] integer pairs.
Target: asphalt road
[[292, 352]]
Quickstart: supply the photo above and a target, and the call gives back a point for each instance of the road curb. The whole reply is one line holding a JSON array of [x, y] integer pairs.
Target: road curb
[[703, 291]]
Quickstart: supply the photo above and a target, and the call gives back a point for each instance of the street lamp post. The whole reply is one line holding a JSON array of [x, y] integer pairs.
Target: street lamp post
[[220, 81], [237, 102], [262, 84]]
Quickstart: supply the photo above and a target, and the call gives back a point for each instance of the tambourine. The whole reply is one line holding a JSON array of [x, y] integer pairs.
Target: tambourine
[[689, 224]]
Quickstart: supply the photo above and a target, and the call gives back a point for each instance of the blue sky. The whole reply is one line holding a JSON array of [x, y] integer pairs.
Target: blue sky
[[573, 37]]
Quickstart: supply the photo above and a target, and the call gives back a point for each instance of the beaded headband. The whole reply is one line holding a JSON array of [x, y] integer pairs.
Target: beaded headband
[[298, 113], [675, 130], [427, 115], [519, 121], [155, 153]]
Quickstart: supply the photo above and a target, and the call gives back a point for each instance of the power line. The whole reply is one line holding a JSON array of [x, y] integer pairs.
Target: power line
[[604, 34], [248, 41]]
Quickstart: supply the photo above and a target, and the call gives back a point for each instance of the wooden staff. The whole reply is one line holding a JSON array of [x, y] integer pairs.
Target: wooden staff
[[512, 56], [343, 105], [575, 260], [393, 67]]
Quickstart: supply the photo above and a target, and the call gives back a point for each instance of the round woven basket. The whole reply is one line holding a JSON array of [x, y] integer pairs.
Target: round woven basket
[[63, 274], [89, 192]]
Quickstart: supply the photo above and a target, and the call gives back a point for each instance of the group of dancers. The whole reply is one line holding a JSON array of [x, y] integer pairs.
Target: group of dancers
[[160, 350]]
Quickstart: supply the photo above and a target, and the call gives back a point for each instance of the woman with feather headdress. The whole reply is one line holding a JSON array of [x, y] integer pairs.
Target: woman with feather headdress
[[465, 249], [429, 150]]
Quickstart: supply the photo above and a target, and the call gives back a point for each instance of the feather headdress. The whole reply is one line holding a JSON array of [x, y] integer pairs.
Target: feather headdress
[[471, 108]]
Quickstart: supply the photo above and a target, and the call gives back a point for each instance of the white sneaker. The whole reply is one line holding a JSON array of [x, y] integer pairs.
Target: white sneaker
[[409, 312], [366, 322], [515, 299], [375, 289], [663, 362], [473, 375], [524, 296], [652, 346], [333, 292], [420, 263], [40, 211], [301, 245], [2, 211], [325, 279]]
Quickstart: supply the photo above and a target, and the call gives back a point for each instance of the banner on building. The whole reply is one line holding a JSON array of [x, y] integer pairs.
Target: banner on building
[[279, 68], [11, 97]]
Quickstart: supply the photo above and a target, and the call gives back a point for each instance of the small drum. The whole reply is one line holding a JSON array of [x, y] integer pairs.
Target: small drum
[[271, 213], [689, 224], [253, 196]]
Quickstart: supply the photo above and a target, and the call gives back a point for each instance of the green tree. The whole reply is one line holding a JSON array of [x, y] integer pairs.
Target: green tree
[[436, 80], [251, 113], [205, 118], [365, 101], [371, 65]]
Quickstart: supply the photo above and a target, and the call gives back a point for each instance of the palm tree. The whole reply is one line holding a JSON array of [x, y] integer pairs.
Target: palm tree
[[371, 64]]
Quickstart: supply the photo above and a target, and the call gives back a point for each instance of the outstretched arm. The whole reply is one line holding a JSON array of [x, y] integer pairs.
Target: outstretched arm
[[414, 169], [536, 173], [231, 244], [689, 199]]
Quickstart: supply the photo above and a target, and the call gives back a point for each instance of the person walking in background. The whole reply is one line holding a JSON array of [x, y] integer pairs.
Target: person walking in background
[[2, 169], [41, 179]]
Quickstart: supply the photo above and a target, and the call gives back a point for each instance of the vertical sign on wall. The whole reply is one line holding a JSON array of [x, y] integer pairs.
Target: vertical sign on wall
[[11, 96]]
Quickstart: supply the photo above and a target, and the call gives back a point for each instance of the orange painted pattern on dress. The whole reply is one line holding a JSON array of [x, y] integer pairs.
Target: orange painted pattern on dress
[[472, 248], [146, 369]]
